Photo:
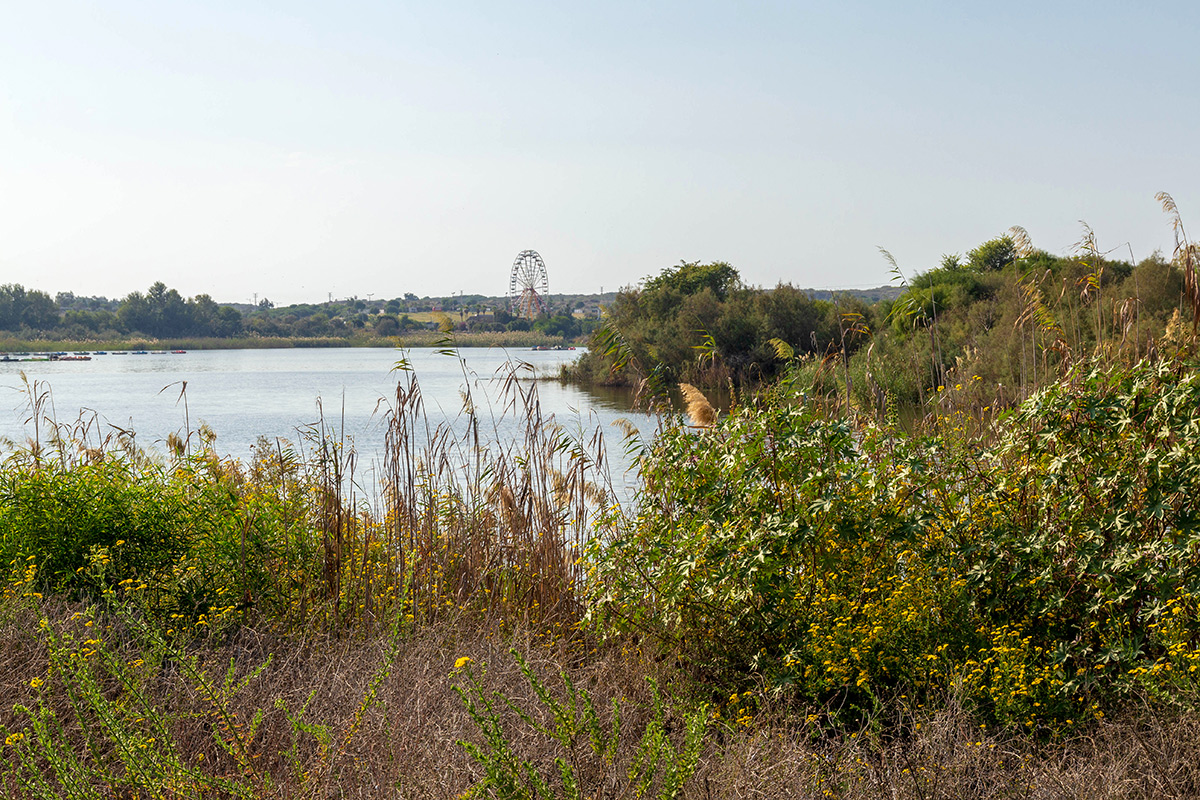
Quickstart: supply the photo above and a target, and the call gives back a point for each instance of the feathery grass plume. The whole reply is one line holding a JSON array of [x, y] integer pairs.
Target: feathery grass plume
[[1187, 256], [906, 307], [1091, 283], [697, 406], [1035, 309], [1021, 240], [628, 429]]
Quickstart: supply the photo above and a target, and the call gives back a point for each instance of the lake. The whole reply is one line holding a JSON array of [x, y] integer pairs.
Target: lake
[[246, 394]]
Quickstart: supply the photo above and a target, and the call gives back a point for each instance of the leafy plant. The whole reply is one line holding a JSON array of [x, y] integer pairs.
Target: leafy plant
[[1041, 571]]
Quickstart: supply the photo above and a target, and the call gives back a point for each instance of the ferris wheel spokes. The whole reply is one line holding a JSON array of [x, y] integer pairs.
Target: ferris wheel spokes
[[528, 285]]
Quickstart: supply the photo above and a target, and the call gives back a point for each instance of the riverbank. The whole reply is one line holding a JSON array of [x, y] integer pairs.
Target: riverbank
[[513, 339], [800, 604]]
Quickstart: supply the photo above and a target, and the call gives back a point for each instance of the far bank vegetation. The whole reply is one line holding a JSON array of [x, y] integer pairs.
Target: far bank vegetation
[[32, 319]]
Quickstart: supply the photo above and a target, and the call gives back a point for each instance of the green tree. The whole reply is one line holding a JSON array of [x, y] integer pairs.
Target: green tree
[[692, 277], [993, 255]]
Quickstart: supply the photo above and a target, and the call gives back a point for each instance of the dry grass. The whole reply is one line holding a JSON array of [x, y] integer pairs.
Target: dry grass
[[404, 742]]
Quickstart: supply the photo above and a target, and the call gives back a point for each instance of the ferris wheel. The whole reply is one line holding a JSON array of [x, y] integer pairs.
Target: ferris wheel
[[528, 286]]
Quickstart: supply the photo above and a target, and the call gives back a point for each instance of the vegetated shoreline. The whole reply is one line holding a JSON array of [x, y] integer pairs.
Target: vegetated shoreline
[[529, 339], [197, 627], [807, 599]]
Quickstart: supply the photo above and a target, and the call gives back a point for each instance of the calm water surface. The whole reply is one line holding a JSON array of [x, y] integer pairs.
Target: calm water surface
[[244, 394]]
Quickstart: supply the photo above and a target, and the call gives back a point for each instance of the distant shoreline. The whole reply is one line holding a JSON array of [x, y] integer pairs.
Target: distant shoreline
[[10, 345]]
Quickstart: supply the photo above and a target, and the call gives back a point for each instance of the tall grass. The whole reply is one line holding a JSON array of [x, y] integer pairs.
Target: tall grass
[[468, 521], [487, 523], [165, 551]]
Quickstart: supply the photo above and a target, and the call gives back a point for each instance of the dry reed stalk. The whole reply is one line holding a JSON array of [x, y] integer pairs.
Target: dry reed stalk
[[1187, 255], [490, 524], [1022, 242]]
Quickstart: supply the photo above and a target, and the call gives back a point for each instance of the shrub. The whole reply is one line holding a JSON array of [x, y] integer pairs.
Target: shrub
[[1041, 570], [59, 513]]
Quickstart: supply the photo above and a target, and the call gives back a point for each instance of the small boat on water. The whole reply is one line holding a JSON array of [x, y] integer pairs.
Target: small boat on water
[[141, 352], [58, 357], [179, 352]]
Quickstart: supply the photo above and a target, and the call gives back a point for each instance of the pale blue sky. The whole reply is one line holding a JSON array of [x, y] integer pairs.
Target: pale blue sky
[[295, 149]]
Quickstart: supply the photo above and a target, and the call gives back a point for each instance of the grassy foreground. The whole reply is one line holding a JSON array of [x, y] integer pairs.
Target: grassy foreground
[[800, 604]]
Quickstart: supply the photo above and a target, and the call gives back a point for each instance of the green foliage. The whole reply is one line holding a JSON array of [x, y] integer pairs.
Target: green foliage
[[698, 323], [692, 278], [25, 309], [58, 514], [35, 321], [1012, 315], [993, 255], [108, 738], [785, 544], [1044, 574], [1091, 545], [95, 731]]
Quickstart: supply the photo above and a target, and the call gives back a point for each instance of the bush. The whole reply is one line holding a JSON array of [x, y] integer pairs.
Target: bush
[[59, 514], [789, 546], [1041, 572]]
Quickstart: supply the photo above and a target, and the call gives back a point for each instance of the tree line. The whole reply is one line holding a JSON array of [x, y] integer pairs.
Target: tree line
[[163, 313], [159, 313]]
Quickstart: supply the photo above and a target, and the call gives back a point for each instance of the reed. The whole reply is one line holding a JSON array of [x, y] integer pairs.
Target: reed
[[466, 521], [485, 523], [697, 406]]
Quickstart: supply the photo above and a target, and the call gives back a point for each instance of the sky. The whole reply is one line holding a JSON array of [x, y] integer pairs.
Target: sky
[[297, 150]]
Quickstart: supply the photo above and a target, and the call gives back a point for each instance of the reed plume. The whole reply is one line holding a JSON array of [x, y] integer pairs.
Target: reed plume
[[1187, 255], [697, 406], [1021, 240]]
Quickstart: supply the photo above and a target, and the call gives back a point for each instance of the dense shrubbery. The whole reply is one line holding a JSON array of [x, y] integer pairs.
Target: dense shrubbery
[[285, 540], [1041, 568], [698, 323], [1009, 315]]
